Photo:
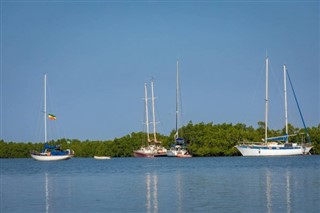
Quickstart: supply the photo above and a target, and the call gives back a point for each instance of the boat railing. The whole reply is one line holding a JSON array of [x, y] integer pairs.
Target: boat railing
[[249, 142]]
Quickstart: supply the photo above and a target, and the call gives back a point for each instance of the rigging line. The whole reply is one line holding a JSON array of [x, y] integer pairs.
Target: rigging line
[[160, 125], [295, 97], [180, 110], [41, 126], [254, 96], [39, 122], [57, 130], [144, 122], [277, 78]]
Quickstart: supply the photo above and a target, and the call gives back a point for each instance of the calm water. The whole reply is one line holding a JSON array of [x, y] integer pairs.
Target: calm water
[[228, 184]]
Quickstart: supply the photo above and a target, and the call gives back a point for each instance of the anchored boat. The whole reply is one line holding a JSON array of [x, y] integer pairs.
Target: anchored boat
[[154, 147], [178, 148], [102, 157], [277, 146], [50, 153]]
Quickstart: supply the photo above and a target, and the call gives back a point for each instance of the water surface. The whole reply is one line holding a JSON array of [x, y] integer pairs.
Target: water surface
[[226, 184]]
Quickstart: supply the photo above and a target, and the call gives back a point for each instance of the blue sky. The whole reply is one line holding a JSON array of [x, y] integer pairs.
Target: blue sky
[[99, 54]]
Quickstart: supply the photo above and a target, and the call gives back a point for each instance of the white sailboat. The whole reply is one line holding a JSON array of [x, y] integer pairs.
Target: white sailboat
[[276, 147], [50, 153], [154, 147], [178, 149]]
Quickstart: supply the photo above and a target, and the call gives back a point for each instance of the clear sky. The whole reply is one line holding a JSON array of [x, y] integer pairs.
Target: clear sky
[[99, 54]]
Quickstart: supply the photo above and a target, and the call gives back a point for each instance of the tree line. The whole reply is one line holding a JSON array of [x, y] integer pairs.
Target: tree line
[[202, 140]]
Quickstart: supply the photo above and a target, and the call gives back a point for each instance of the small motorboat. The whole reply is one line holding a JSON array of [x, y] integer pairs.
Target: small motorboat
[[102, 157]]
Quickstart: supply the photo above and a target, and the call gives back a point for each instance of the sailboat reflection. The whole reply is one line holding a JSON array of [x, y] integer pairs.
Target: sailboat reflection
[[179, 192], [152, 193], [288, 191], [47, 192], [269, 191]]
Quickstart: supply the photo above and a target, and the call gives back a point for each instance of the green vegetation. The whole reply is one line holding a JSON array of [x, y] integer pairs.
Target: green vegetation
[[202, 140]]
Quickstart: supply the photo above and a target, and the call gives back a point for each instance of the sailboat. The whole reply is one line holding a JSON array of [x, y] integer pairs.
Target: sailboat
[[50, 153], [178, 148], [154, 147], [276, 146]]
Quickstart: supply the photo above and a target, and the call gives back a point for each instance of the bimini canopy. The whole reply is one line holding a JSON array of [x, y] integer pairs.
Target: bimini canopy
[[179, 140], [279, 138], [47, 146]]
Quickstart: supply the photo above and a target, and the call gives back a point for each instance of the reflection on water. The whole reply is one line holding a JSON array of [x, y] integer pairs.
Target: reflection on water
[[268, 191], [288, 191], [283, 185], [47, 192], [175, 189], [179, 192], [155, 193], [152, 193], [162, 185]]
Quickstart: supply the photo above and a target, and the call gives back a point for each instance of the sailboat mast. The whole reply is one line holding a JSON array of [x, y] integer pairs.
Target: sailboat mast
[[267, 97], [153, 113], [285, 99], [177, 101], [147, 110], [45, 108]]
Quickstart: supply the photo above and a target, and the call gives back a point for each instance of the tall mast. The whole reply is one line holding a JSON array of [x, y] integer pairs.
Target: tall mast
[[177, 101], [267, 97], [45, 108], [153, 113], [147, 110], [285, 99]]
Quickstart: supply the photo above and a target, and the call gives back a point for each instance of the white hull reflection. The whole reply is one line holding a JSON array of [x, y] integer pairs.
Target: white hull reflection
[[288, 191], [272, 191], [47, 192], [152, 193]]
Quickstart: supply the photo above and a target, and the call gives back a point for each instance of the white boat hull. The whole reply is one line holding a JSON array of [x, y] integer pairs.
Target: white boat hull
[[260, 150], [184, 155], [150, 151], [51, 157], [177, 151], [171, 153], [178, 154], [102, 157], [141, 154]]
